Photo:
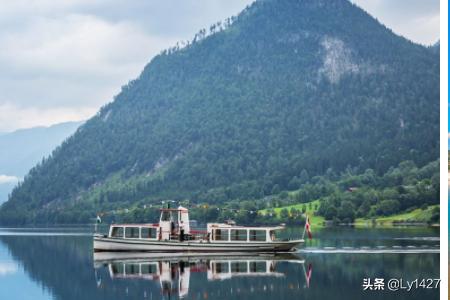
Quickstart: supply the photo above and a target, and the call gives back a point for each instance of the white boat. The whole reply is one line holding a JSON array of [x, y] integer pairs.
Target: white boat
[[173, 234]]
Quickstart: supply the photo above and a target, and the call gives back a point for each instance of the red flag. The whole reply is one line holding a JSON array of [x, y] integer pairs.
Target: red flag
[[308, 275], [308, 228]]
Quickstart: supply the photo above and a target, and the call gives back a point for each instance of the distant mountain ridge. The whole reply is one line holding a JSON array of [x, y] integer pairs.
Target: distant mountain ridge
[[286, 87], [24, 148]]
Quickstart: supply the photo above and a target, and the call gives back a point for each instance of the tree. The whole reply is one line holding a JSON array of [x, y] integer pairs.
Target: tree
[[364, 209], [294, 183], [388, 207], [294, 212], [275, 189], [304, 177], [284, 214], [330, 212], [346, 212]]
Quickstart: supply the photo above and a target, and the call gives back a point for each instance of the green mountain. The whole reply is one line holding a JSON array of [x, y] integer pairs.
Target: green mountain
[[284, 89]]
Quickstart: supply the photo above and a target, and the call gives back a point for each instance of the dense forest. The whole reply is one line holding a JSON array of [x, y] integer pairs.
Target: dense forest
[[340, 198], [289, 95]]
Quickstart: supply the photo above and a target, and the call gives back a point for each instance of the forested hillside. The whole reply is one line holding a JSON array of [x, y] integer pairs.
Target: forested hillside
[[256, 105]]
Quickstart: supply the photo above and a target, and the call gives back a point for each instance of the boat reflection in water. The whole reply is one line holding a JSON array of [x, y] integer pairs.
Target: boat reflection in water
[[173, 271]]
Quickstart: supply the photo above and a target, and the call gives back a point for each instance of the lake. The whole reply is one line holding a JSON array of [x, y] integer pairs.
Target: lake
[[58, 263]]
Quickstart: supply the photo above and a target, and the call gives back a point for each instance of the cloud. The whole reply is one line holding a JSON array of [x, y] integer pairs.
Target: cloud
[[72, 60], [8, 179], [78, 43], [7, 268], [417, 20], [56, 68]]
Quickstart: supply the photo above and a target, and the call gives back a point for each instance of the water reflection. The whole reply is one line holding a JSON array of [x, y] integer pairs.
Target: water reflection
[[172, 272], [60, 265]]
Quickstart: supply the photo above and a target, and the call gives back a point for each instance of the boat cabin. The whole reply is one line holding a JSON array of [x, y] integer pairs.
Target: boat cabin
[[173, 224], [220, 232], [134, 231]]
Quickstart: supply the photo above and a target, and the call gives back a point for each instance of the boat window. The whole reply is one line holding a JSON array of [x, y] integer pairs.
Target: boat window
[[238, 235], [257, 235], [132, 232], [117, 232], [148, 233], [132, 269], [149, 269], [221, 267], [175, 217], [257, 266], [165, 216], [221, 234], [238, 267], [117, 268], [272, 235]]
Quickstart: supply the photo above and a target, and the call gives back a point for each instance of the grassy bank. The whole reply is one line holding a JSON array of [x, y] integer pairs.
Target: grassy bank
[[415, 216], [418, 215], [310, 209]]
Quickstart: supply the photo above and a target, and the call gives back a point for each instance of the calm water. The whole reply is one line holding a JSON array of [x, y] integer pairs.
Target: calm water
[[59, 264]]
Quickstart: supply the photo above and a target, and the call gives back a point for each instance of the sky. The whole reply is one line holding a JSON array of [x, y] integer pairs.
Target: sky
[[62, 60]]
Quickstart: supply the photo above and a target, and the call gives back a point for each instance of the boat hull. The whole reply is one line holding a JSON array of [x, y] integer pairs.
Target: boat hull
[[115, 244]]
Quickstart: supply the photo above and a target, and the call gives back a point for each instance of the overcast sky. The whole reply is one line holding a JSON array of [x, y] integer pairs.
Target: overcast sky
[[62, 60]]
